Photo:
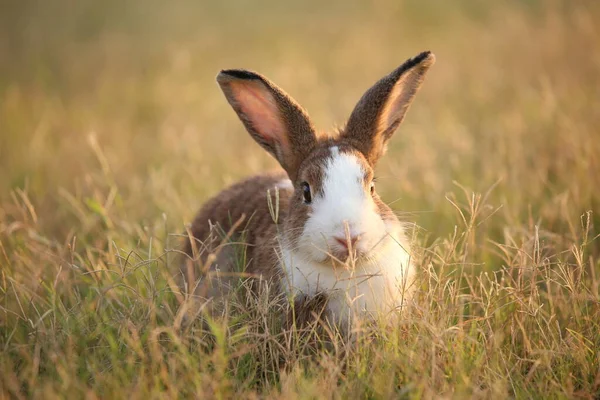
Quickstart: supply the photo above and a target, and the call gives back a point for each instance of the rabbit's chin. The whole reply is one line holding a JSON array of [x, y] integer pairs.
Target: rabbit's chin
[[374, 282]]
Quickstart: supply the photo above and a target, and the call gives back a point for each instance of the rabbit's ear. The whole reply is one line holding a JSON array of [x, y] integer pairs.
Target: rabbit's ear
[[271, 117], [382, 108]]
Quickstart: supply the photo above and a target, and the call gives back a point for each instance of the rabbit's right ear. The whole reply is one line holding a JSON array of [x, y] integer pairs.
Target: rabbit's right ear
[[271, 117], [383, 107]]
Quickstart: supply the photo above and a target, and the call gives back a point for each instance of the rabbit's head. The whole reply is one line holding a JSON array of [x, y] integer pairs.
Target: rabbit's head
[[334, 212]]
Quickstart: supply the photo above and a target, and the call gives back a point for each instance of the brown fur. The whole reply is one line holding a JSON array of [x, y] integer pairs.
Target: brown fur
[[251, 219]]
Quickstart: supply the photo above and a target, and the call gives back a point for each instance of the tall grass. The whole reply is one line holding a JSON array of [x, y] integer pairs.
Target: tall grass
[[113, 132]]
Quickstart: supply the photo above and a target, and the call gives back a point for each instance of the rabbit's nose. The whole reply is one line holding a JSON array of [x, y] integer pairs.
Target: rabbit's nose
[[347, 241]]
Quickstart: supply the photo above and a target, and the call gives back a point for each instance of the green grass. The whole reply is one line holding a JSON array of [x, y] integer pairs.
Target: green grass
[[113, 132]]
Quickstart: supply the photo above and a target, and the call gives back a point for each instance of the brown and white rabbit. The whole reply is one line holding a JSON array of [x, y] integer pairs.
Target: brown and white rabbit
[[333, 237]]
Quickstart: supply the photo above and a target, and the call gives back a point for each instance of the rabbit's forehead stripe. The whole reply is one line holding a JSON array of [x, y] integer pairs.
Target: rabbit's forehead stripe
[[343, 180], [343, 169]]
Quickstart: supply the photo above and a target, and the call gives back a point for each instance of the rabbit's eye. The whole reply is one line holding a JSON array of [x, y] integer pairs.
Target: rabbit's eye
[[306, 193], [372, 187]]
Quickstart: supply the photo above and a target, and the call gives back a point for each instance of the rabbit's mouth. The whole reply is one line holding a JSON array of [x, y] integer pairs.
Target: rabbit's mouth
[[343, 255], [335, 250], [354, 251]]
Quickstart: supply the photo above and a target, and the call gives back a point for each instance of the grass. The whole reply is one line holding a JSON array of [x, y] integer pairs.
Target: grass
[[113, 132]]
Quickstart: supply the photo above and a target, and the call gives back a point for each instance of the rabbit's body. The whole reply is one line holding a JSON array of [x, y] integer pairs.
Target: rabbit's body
[[319, 230]]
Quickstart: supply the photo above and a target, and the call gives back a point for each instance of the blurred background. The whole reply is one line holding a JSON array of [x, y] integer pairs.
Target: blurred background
[[111, 120]]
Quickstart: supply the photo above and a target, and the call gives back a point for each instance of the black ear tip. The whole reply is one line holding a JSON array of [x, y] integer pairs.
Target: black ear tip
[[423, 60], [228, 74], [426, 56]]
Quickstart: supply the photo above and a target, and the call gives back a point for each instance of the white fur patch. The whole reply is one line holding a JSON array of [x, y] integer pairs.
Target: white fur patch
[[377, 287], [376, 283]]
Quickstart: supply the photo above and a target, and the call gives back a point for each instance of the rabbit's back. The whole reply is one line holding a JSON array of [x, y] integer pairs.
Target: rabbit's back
[[238, 227]]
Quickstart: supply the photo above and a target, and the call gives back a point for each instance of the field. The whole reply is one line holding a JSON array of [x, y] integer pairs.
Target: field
[[113, 132]]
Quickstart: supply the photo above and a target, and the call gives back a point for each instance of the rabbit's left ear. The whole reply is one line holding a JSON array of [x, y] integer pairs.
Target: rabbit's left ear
[[271, 117], [383, 107]]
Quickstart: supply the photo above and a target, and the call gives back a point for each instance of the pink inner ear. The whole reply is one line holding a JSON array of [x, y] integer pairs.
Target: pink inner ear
[[399, 99], [259, 106], [394, 108]]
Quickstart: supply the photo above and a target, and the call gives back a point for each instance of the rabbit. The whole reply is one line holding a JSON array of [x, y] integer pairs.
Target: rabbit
[[316, 231]]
